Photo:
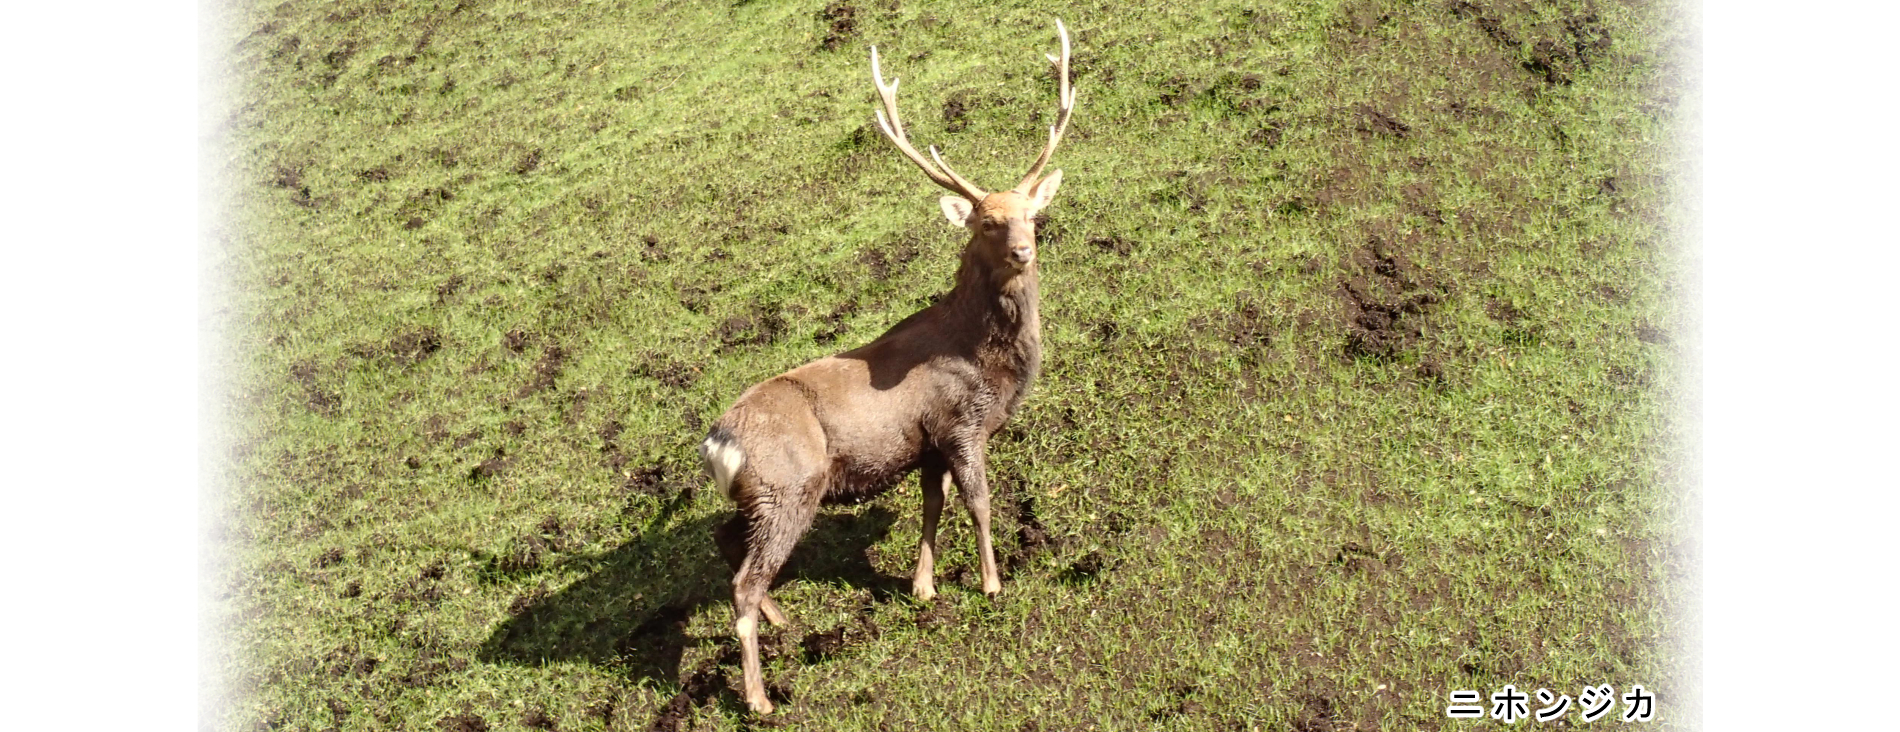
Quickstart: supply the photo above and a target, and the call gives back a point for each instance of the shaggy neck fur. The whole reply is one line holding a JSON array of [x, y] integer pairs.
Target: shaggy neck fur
[[1005, 303]]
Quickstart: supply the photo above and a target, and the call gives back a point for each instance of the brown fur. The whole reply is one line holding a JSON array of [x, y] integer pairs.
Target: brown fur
[[925, 396]]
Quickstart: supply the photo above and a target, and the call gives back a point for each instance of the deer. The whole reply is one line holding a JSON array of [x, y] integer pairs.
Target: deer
[[924, 397]]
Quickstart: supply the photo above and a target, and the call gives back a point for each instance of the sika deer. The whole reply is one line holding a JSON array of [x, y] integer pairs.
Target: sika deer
[[924, 396]]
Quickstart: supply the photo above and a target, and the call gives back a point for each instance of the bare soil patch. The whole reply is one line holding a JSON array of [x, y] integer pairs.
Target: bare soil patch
[[1386, 299], [835, 324], [317, 396], [405, 348], [464, 722], [762, 326], [840, 20], [546, 370], [1375, 122]]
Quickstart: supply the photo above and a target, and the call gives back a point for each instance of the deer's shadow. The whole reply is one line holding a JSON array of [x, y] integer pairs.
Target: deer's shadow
[[631, 609]]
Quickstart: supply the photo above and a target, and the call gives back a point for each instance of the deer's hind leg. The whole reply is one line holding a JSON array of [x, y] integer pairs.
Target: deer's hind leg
[[731, 539], [775, 522]]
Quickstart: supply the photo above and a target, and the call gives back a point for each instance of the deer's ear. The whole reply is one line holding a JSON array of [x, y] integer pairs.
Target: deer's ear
[[956, 209], [1045, 190]]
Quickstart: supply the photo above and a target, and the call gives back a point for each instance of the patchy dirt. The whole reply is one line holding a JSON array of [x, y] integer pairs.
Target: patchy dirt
[[431, 664], [1491, 25], [939, 614], [1247, 325], [1519, 329], [703, 686], [956, 109], [1389, 304], [1318, 713], [349, 661], [449, 287], [1178, 90], [464, 722], [316, 396], [1032, 538], [1115, 245], [1355, 558], [654, 250], [1589, 39], [527, 553], [291, 179], [835, 324], [609, 430], [658, 480], [1375, 122], [1557, 61], [538, 718], [1387, 299], [1183, 704], [406, 348], [601, 709], [883, 259], [546, 370], [841, 25], [1196, 190], [1087, 569], [490, 467], [528, 163], [762, 326], [659, 640], [1269, 135], [673, 374], [694, 298], [820, 646], [1560, 51], [330, 558]]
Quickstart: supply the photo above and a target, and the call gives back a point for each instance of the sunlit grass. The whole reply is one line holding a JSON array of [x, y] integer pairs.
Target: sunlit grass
[[499, 263]]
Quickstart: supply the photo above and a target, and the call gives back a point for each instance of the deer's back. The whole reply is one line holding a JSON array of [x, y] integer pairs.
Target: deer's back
[[833, 415]]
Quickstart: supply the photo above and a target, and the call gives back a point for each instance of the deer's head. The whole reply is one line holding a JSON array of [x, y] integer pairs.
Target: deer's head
[[1002, 224]]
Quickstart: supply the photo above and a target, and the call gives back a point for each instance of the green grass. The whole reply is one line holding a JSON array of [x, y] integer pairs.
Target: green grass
[[495, 265]]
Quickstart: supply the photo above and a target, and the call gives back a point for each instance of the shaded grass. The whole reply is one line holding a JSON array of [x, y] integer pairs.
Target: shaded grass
[[1361, 328]]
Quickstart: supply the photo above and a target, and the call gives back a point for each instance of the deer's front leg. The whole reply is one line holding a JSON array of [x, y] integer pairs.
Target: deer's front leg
[[923, 584], [968, 465]]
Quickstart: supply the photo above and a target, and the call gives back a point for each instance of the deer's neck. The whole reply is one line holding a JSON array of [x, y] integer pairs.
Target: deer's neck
[[1002, 313], [999, 306]]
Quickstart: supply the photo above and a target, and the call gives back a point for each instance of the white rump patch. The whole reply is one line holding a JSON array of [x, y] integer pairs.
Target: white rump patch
[[723, 459]]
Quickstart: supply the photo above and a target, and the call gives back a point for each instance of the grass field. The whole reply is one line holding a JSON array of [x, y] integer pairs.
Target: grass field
[[1367, 361]]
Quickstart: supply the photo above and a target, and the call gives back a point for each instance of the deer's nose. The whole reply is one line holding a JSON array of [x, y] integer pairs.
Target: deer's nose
[[1022, 254]]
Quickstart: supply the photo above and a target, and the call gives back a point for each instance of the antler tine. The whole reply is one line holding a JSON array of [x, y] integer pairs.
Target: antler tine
[[963, 184], [1065, 102], [893, 128]]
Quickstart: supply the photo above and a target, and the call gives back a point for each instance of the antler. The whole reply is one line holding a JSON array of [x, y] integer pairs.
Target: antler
[[894, 130], [1065, 105]]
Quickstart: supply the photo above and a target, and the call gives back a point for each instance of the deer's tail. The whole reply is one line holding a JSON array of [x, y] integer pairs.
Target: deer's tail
[[723, 458]]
